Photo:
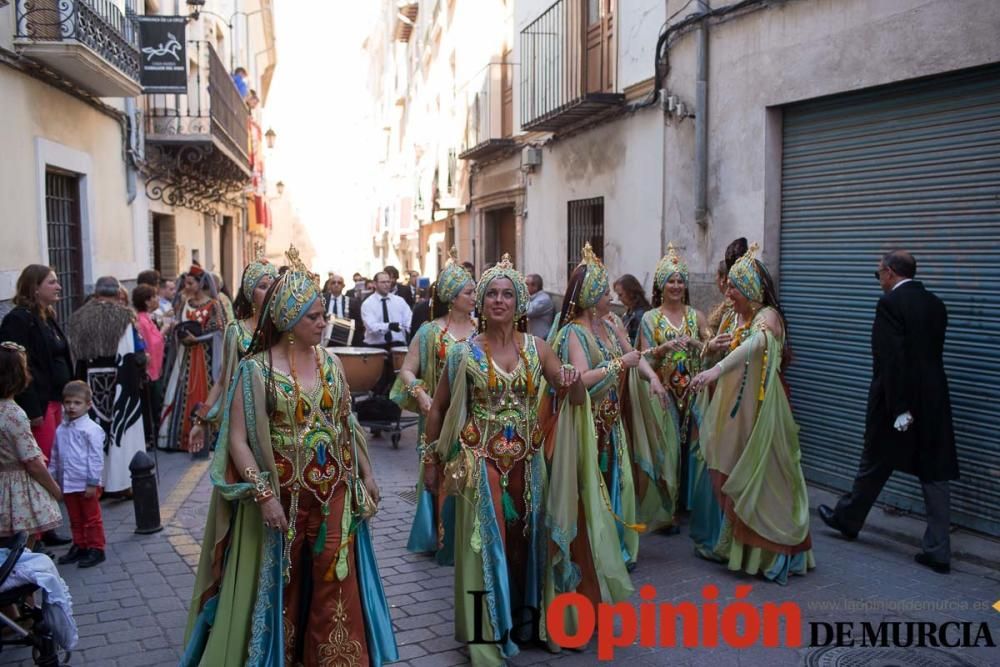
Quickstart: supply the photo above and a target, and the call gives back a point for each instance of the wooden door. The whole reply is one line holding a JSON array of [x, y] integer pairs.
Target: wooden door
[[599, 46]]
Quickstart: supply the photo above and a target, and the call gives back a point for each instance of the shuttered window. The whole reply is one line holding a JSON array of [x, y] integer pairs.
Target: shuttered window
[[586, 225], [913, 166], [62, 221]]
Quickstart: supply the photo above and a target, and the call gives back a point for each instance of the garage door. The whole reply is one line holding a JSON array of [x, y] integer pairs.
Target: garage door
[[914, 166]]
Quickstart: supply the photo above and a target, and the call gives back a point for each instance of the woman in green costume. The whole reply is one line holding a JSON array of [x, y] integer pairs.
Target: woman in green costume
[[453, 300], [484, 429], [751, 440], [672, 337], [257, 278], [591, 509], [287, 573]]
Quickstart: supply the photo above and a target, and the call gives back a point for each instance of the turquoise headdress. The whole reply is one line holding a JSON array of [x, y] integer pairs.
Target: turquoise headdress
[[595, 282], [254, 273], [504, 269], [745, 276], [296, 292], [668, 266], [453, 278]]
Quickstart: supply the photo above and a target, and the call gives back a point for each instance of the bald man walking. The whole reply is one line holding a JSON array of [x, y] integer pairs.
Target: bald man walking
[[908, 426]]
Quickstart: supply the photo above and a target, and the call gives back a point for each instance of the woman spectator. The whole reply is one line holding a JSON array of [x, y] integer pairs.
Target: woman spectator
[[633, 297], [145, 300], [32, 324]]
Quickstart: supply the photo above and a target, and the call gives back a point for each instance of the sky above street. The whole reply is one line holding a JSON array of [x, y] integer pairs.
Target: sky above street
[[321, 110]]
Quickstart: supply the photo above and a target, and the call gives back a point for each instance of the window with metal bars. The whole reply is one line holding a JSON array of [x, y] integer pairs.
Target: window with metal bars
[[586, 225], [62, 221]]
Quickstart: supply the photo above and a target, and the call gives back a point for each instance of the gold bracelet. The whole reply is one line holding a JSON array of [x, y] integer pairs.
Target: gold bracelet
[[414, 387]]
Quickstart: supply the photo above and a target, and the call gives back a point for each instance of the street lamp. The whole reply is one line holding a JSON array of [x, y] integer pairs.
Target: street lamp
[[270, 136]]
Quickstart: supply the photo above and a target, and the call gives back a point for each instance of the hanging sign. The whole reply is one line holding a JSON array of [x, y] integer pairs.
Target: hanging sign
[[163, 57]]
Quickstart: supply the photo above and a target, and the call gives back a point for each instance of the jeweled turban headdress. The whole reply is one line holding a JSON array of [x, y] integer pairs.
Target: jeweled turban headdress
[[254, 273], [670, 264], [745, 276], [504, 269], [297, 290], [453, 278], [595, 281]]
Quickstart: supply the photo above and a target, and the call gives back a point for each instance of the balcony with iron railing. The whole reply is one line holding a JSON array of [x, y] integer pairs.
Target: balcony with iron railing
[[567, 66], [489, 122], [91, 43], [198, 143]]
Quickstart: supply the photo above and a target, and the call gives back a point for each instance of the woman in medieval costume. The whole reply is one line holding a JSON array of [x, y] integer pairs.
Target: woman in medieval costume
[[257, 278], [197, 359], [453, 299], [673, 338], [591, 512], [110, 358], [750, 438], [287, 572], [484, 428]]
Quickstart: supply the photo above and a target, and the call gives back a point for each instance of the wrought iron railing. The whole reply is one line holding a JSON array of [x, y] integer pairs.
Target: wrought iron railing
[[211, 109], [97, 24], [490, 116], [554, 63]]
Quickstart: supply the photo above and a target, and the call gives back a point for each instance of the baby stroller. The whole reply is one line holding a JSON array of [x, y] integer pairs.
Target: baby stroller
[[31, 629]]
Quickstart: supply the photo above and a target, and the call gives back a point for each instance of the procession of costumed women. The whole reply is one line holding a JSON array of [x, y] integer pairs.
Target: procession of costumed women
[[453, 299], [482, 444], [257, 278], [287, 572], [750, 439], [197, 358]]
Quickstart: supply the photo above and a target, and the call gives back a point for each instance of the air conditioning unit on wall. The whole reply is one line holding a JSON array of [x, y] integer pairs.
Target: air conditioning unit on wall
[[531, 157]]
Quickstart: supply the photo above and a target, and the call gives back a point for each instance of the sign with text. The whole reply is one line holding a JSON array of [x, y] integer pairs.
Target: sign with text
[[164, 59]]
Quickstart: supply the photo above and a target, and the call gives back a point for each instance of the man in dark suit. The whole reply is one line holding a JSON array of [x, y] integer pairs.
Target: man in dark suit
[[908, 425], [339, 304], [402, 291]]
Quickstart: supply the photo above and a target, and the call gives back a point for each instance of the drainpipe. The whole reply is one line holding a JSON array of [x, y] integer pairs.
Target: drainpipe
[[701, 124]]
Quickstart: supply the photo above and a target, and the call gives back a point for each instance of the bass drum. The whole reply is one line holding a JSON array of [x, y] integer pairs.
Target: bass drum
[[363, 366]]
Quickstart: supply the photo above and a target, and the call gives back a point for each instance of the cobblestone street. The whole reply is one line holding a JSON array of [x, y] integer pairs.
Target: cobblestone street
[[131, 610]]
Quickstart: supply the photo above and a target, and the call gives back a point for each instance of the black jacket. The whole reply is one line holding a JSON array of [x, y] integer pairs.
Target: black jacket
[[908, 375], [354, 313], [405, 293], [28, 330]]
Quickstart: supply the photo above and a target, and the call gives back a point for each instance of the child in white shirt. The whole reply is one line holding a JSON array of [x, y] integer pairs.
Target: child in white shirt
[[77, 465]]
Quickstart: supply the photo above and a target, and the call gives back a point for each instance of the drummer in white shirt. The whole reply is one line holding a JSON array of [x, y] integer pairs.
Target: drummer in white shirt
[[387, 322]]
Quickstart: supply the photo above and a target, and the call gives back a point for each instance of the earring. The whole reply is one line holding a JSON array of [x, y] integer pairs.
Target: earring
[[291, 338]]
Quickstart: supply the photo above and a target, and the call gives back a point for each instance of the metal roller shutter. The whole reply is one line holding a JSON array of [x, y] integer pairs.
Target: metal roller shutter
[[913, 166]]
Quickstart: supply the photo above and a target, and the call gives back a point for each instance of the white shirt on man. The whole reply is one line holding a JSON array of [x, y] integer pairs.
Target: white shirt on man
[[375, 322]]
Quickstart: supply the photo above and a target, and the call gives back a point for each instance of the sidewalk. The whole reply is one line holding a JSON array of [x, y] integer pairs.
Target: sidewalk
[[132, 609]]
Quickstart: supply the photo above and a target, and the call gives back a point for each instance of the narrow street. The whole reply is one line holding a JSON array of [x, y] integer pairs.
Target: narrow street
[[132, 609]]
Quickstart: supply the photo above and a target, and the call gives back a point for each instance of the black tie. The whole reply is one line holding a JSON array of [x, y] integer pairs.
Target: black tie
[[385, 317]]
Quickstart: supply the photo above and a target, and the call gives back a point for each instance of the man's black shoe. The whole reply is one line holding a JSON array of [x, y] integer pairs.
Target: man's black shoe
[[829, 517], [74, 554], [93, 557], [927, 561], [51, 539]]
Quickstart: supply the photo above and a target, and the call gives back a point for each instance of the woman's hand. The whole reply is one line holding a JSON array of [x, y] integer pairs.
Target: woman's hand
[[37, 421], [187, 338], [57, 495], [424, 402], [705, 378], [372, 488], [196, 439], [568, 375], [631, 359], [720, 342], [431, 477], [657, 389], [274, 514]]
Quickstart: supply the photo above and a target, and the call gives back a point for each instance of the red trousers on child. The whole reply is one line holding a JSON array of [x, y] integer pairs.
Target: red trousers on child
[[85, 519]]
